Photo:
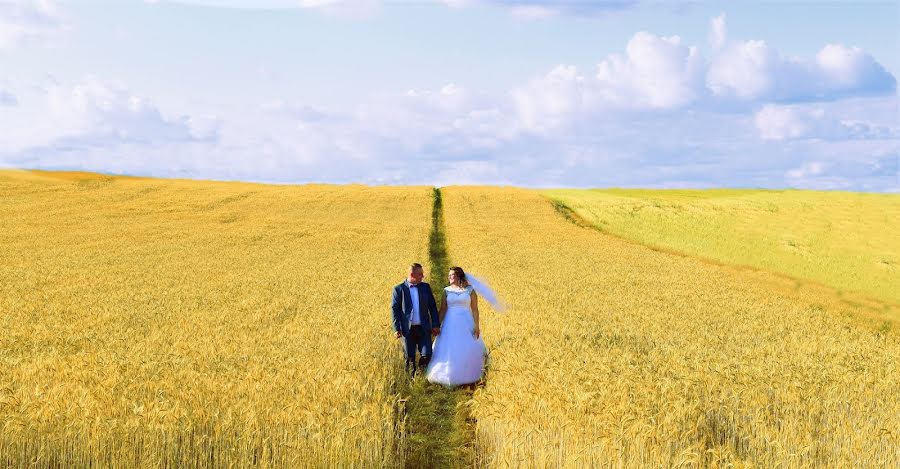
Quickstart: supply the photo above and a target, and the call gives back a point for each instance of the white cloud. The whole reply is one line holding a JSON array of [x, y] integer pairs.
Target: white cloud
[[645, 118], [779, 123], [812, 168], [451, 122], [655, 73], [747, 71], [717, 33], [549, 102], [849, 70], [94, 113], [664, 74], [754, 71], [791, 122], [23, 21]]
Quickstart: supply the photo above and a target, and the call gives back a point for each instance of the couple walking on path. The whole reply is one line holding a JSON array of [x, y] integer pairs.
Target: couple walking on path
[[457, 353]]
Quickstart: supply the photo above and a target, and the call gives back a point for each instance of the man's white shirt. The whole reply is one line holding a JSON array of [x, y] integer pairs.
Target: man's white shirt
[[414, 294]]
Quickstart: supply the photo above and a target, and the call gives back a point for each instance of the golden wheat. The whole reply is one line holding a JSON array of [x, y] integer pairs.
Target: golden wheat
[[151, 322], [158, 322], [616, 354]]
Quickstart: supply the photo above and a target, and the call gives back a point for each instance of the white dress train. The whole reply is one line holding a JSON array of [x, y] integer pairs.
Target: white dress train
[[457, 356]]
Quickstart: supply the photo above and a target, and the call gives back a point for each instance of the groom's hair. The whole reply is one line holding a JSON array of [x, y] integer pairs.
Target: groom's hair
[[414, 266]]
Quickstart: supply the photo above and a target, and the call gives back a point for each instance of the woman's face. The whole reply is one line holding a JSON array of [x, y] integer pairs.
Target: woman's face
[[452, 277]]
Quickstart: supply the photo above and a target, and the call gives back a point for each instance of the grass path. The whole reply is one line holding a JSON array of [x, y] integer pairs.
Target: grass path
[[439, 429]]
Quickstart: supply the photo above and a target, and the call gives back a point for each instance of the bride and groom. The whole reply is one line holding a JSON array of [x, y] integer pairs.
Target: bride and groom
[[457, 355]]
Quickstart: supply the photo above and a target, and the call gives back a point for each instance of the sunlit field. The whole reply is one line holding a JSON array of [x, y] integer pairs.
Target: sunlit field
[[612, 353], [178, 323], [849, 241], [181, 323]]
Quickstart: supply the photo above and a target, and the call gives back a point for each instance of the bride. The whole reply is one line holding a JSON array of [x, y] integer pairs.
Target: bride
[[458, 356]]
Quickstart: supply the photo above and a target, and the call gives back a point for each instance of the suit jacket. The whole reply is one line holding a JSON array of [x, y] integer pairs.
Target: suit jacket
[[401, 307]]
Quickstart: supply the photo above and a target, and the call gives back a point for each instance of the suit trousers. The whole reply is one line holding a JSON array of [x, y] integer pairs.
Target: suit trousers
[[418, 340]]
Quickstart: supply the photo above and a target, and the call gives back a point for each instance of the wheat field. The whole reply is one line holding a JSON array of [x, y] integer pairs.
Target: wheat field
[[612, 353], [152, 322], [177, 323], [846, 240]]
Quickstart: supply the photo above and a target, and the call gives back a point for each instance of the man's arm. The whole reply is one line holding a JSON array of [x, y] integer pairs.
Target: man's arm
[[397, 309]]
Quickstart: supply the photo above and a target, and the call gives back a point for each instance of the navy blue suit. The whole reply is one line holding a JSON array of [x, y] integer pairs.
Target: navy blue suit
[[415, 338]]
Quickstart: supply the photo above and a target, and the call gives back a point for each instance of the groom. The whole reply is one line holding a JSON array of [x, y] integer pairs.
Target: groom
[[415, 317]]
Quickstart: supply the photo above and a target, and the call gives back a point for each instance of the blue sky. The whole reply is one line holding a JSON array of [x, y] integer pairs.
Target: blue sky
[[527, 92]]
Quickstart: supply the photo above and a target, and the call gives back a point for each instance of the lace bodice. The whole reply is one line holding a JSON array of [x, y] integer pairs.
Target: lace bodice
[[459, 298]]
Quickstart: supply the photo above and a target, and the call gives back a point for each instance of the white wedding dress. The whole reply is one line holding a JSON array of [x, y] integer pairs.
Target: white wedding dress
[[457, 356]]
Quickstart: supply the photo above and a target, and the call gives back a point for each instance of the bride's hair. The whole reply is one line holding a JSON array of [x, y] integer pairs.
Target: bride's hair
[[460, 275]]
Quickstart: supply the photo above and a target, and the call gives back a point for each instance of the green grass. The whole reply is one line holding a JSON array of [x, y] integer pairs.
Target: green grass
[[439, 430], [845, 240]]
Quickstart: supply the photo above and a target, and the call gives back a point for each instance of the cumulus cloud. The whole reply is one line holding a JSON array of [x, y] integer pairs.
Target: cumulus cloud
[[664, 74], [778, 122], [812, 168], [551, 101], [717, 33], [453, 135], [655, 73], [649, 115], [452, 122], [850, 71], [754, 71], [94, 113], [23, 21]]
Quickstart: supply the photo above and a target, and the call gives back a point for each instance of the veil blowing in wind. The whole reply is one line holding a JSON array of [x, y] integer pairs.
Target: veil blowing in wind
[[481, 287]]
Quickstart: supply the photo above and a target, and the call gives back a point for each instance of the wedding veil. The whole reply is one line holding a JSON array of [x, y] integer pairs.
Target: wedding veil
[[482, 288]]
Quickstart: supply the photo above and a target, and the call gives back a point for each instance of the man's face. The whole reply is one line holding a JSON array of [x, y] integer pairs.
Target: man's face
[[416, 276]]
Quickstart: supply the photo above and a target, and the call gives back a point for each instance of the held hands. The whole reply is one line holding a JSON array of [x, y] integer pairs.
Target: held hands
[[434, 331]]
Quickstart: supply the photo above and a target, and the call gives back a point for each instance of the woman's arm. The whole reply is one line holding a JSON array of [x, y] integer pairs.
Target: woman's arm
[[477, 330], [443, 310]]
